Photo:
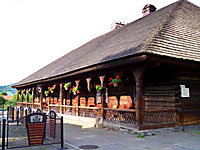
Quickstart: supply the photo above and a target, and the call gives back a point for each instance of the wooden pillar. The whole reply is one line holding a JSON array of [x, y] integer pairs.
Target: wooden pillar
[[41, 97], [33, 92], [17, 99], [102, 97], [49, 99], [139, 73], [78, 97], [27, 98], [61, 97]]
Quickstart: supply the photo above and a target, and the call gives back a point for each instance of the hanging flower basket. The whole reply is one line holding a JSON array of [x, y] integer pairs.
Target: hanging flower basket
[[67, 85], [51, 89], [28, 91], [115, 82], [75, 90], [46, 93], [99, 88], [23, 91]]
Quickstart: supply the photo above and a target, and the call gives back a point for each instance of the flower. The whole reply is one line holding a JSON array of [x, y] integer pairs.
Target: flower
[[117, 79], [75, 90], [109, 83]]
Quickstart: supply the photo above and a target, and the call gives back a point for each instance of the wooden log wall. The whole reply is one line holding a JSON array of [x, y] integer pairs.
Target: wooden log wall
[[160, 89], [190, 105]]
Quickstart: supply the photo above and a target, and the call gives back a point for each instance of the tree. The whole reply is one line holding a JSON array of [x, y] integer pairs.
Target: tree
[[3, 93], [2, 100]]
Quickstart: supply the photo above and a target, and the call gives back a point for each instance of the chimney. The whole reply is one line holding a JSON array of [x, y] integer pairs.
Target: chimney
[[148, 8]]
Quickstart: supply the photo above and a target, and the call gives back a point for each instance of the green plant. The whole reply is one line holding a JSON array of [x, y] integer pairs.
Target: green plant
[[3, 93], [51, 89], [75, 90], [140, 135], [46, 92], [116, 80], [68, 84], [28, 91], [99, 87], [23, 91], [2, 100], [198, 132]]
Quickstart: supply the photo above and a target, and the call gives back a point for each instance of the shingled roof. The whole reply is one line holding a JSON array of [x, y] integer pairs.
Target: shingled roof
[[172, 31]]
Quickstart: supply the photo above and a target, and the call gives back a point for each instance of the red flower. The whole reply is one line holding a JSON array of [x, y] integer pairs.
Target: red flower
[[78, 92], [109, 83], [110, 79], [117, 77]]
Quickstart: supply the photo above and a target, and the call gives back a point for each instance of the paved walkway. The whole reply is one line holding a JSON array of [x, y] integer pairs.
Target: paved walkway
[[106, 139], [117, 140]]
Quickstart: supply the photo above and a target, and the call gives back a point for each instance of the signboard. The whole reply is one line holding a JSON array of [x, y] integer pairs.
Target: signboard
[[185, 92], [52, 124], [36, 128]]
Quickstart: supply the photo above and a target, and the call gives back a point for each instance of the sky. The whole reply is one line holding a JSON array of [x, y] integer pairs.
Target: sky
[[33, 33]]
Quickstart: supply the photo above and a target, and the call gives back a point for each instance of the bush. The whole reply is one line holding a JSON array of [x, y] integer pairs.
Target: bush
[[3, 93], [2, 101]]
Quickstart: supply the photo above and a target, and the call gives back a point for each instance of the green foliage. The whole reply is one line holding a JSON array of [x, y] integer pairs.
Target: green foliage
[[3, 93], [67, 84], [198, 132], [140, 135], [46, 92], [99, 87], [2, 101], [8, 89]]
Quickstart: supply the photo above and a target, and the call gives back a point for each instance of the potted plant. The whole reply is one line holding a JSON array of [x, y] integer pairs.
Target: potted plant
[[18, 91], [51, 89], [28, 91], [99, 88], [115, 82], [23, 91], [67, 85], [75, 90], [46, 93]]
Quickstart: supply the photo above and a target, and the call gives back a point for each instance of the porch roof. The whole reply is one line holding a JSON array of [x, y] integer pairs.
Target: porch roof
[[172, 31]]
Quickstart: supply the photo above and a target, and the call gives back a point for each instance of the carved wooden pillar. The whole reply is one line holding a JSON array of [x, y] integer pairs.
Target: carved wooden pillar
[[138, 73], [27, 98], [49, 99], [102, 97], [41, 97], [33, 92], [61, 97], [17, 99], [77, 106]]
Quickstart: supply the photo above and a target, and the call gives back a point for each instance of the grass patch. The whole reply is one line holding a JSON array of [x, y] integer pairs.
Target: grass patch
[[140, 135]]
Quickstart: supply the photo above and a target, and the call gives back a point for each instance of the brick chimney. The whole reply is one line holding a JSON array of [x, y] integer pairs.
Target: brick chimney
[[148, 8]]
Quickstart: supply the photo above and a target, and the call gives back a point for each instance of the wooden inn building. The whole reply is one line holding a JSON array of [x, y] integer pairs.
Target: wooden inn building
[[156, 60]]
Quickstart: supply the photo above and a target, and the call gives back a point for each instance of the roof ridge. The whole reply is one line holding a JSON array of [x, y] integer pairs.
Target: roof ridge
[[163, 23]]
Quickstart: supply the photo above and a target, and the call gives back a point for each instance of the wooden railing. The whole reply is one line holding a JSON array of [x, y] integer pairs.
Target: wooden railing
[[55, 108], [122, 117], [69, 110], [91, 112], [159, 118]]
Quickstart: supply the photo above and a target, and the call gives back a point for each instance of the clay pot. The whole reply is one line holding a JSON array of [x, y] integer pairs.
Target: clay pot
[[115, 84]]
